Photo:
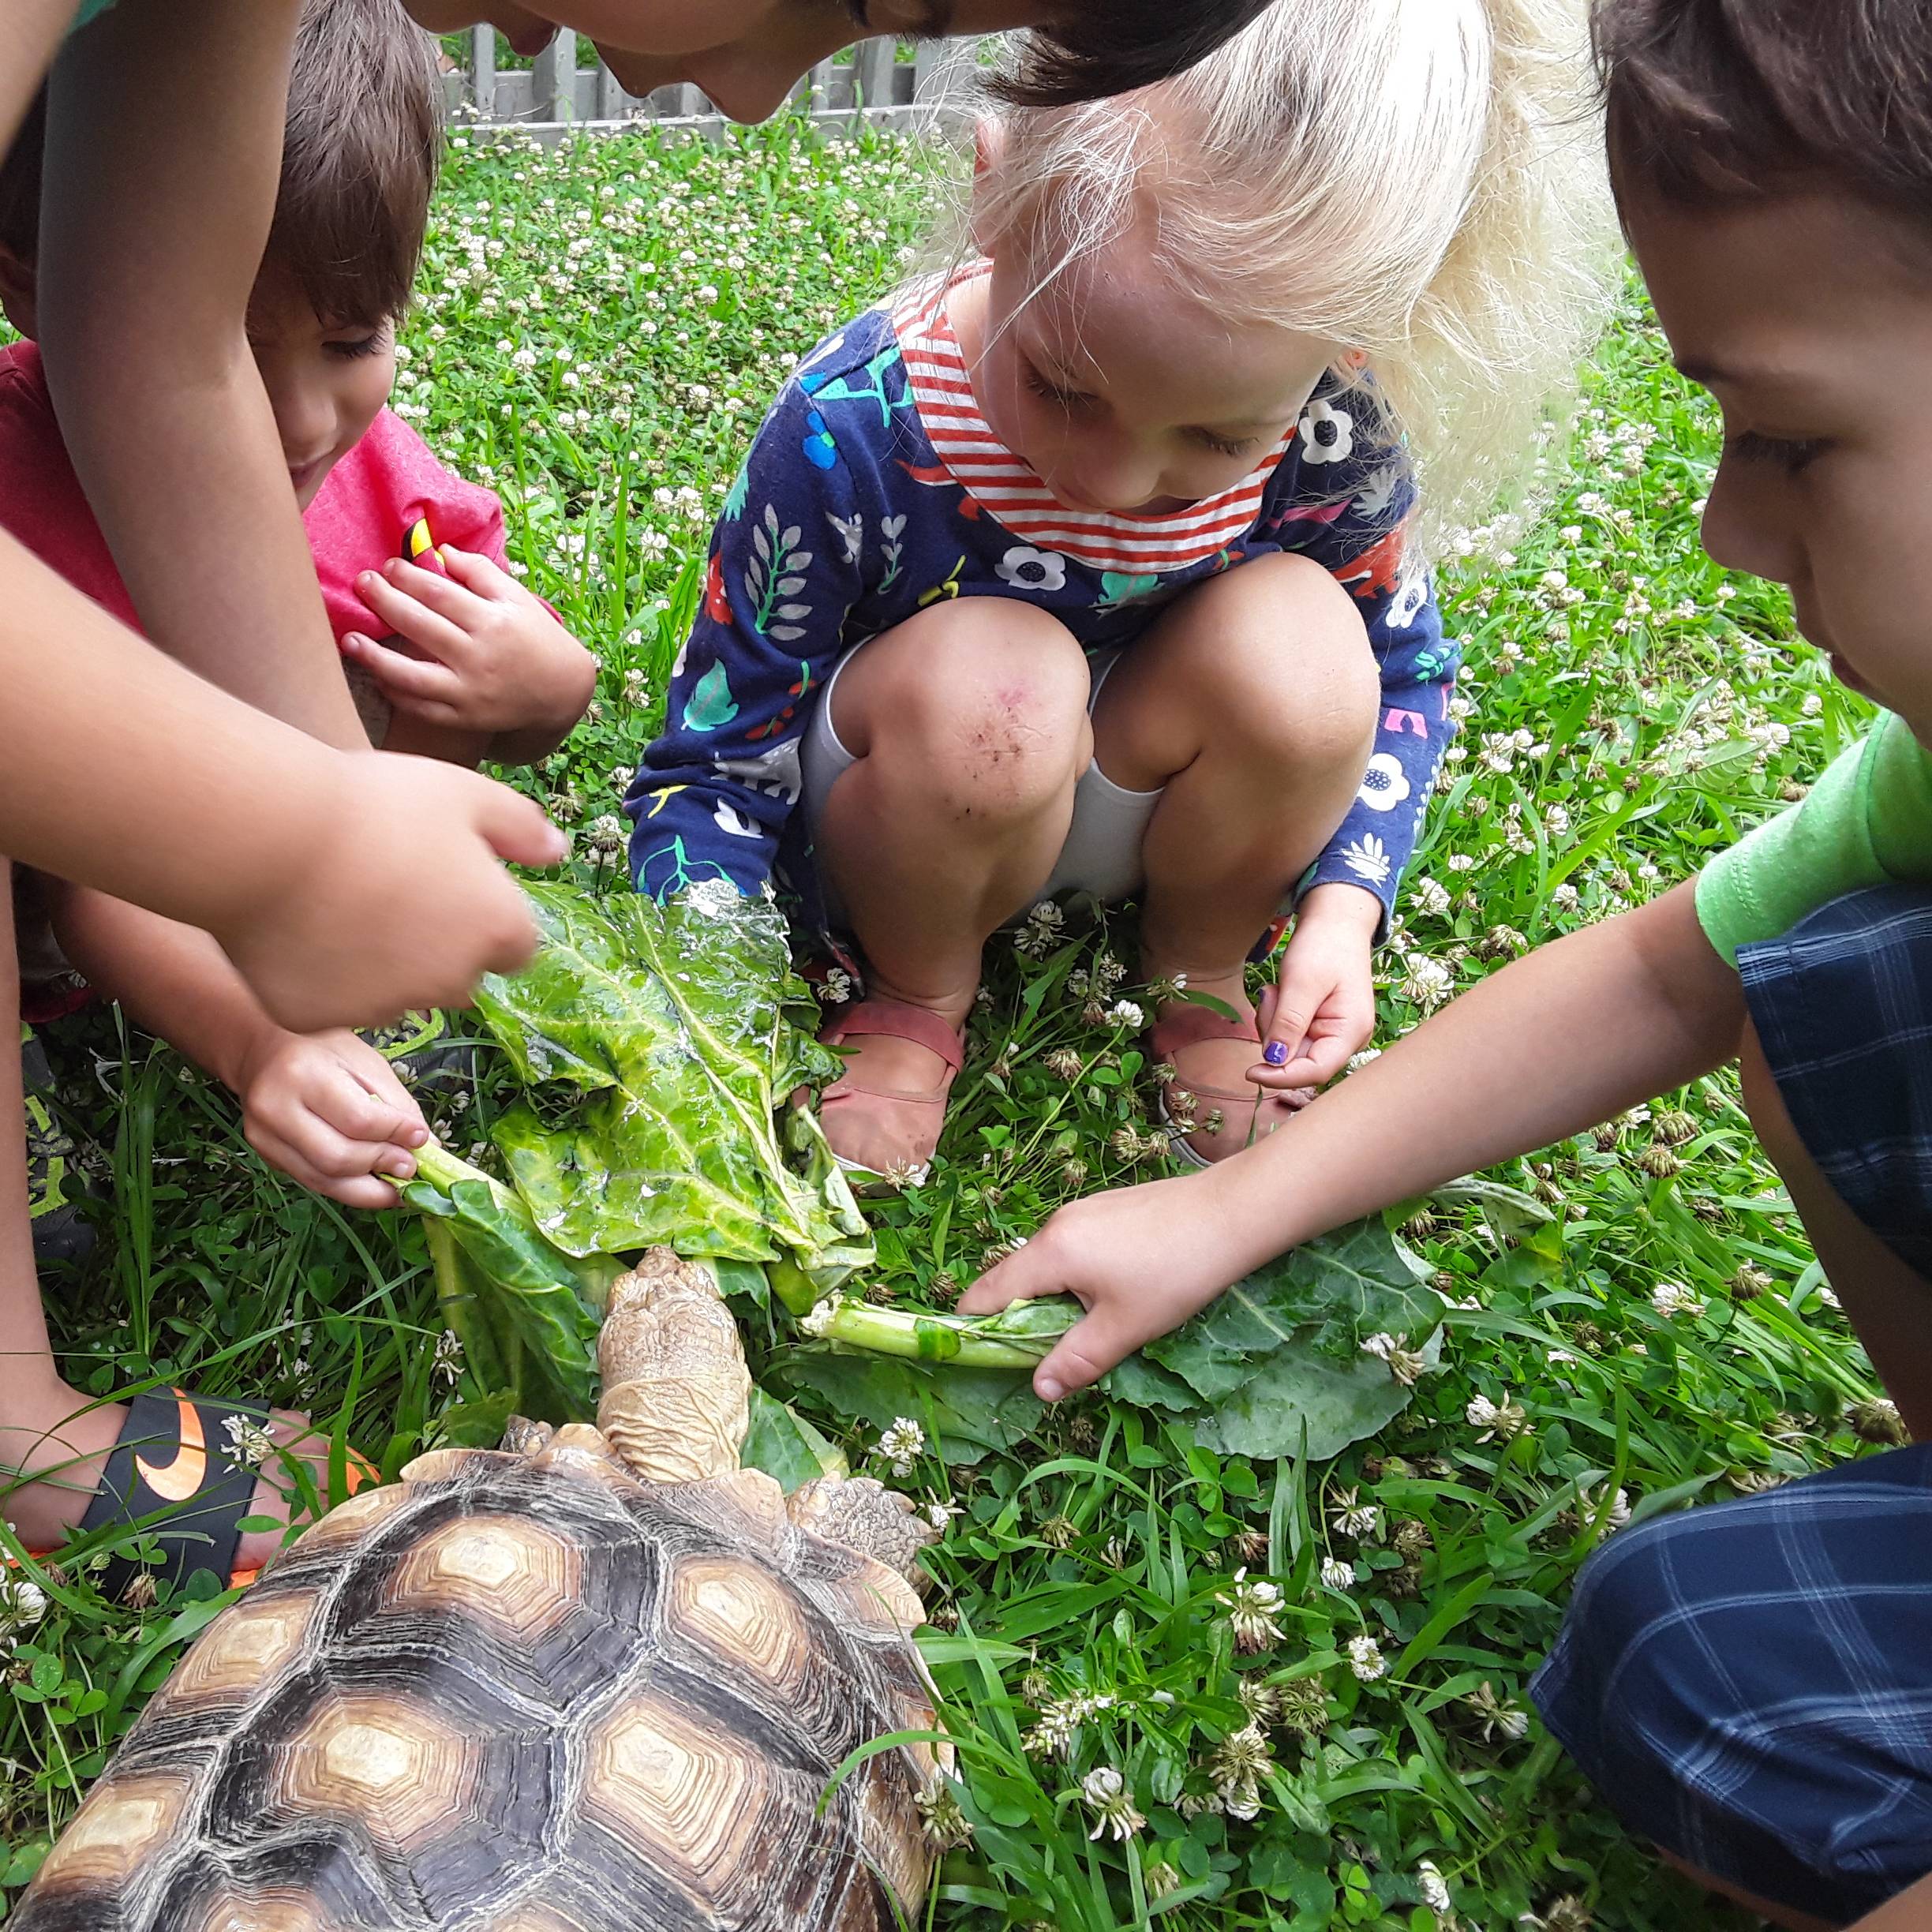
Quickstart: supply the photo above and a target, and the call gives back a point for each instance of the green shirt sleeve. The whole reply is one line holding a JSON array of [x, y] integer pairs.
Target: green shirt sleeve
[[89, 10], [1867, 821]]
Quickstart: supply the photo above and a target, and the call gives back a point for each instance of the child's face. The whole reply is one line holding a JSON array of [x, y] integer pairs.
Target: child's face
[[746, 55], [1126, 394], [1810, 319], [326, 383]]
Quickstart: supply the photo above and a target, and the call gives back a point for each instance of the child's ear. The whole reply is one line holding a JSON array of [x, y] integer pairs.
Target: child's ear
[[989, 139], [19, 286]]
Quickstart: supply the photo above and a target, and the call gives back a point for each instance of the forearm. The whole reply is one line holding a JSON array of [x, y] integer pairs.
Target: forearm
[[1911, 1911], [120, 770], [163, 147], [171, 980], [1568, 1036], [29, 33]]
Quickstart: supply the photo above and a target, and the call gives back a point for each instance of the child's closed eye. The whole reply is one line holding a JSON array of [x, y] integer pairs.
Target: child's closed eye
[[1791, 454], [1225, 445], [1051, 392]]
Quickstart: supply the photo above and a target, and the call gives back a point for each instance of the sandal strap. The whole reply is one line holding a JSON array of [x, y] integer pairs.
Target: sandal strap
[[175, 1455], [1190, 1025], [894, 1020]]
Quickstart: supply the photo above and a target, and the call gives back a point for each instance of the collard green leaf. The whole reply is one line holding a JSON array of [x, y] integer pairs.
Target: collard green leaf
[[782, 1443], [1323, 1299], [1296, 1390], [682, 1030], [968, 1413], [525, 1313]]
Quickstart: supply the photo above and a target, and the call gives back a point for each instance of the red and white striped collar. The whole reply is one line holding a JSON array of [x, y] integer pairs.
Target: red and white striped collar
[[1012, 492]]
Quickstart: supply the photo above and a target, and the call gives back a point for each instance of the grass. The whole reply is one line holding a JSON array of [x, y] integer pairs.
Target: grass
[[600, 330]]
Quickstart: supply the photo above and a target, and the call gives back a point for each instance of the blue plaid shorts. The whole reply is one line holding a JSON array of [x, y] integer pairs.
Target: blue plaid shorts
[[1843, 1004], [1748, 1685]]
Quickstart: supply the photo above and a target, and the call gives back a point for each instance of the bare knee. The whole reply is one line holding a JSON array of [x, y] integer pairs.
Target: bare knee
[[1281, 663], [981, 705]]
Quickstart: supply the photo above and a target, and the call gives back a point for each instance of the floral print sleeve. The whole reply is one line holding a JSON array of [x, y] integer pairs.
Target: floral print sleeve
[[1346, 498], [786, 567]]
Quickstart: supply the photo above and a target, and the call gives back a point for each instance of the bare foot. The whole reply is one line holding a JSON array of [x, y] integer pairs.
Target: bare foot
[[1214, 1075], [60, 1440]]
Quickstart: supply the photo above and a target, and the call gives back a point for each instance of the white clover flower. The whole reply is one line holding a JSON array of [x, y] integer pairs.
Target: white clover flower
[[1670, 1298], [449, 1357], [1125, 1012], [1239, 1763], [1354, 1517], [1105, 1791], [1500, 1717], [901, 1443], [1404, 1363], [1336, 1574], [1429, 898], [1498, 1422], [22, 1605], [1252, 1608], [1427, 984], [248, 1442], [941, 1514], [1433, 1887], [837, 986], [1365, 1659]]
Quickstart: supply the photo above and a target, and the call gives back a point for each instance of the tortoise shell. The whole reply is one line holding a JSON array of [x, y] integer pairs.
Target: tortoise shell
[[528, 1694]]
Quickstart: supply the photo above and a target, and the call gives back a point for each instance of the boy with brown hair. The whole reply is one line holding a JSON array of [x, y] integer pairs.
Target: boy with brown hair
[[1750, 1685]]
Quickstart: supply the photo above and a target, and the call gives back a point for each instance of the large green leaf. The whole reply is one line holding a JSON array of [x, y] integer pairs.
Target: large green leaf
[[683, 1030], [968, 1413], [1322, 1300], [785, 1446], [525, 1313], [1299, 1402]]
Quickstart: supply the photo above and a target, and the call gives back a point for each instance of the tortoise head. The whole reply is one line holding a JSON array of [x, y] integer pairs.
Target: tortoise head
[[676, 1387]]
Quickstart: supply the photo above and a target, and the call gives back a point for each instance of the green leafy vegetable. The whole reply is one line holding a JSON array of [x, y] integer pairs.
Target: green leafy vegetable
[[525, 1313], [782, 1443], [1018, 1337], [967, 1413], [683, 1030]]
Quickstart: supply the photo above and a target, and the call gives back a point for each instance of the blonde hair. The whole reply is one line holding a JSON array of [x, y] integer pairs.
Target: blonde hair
[[1419, 181]]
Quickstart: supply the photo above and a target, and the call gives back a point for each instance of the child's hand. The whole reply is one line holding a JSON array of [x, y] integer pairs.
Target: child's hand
[[1142, 1259], [1321, 1011], [328, 1110], [496, 662], [398, 900]]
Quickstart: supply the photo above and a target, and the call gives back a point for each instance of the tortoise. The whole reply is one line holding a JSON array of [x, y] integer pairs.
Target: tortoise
[[600, 1679]]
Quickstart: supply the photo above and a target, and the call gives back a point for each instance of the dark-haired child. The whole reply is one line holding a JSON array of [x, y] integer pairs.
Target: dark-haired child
[[1750, 1685], [469, 664]]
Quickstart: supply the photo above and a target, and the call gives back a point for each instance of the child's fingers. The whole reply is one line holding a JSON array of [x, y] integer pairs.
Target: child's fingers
[[357, 1189], [1110, 1333], [401, 678], [483, 577], [444, 595], [410, 617], [366, 1120], [375, 1073], [1027, 1273]]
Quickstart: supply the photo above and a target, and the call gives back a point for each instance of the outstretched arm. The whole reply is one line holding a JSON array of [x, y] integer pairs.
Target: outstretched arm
[[164, 144], [1572, 1034]]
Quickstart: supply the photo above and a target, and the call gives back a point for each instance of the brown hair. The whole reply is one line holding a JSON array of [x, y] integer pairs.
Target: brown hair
[[361, 151], [1717, 100], [1116, 45]]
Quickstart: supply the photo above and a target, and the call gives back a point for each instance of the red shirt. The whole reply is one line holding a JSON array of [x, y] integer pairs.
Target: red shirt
[[359, 518]]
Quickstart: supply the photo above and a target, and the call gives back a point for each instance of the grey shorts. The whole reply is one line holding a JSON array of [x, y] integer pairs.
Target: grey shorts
[[1102, 855]]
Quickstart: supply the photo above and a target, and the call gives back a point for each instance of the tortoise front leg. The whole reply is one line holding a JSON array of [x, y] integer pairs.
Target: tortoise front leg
[[864, 1515]]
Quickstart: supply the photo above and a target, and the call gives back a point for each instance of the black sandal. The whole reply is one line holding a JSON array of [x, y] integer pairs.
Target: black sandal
[[177, 1462]]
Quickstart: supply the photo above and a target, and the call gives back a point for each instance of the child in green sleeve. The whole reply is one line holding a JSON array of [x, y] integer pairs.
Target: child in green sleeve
[[1748, 1685]]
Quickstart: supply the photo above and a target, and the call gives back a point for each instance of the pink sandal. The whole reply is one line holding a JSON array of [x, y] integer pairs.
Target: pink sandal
[[909, 1121], [1248, 1116]]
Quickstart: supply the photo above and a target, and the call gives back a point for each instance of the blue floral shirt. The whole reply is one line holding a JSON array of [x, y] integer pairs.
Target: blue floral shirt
[[875, 490]]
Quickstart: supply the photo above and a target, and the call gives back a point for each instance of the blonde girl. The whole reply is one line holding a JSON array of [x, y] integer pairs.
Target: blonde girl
[[1099, 562]]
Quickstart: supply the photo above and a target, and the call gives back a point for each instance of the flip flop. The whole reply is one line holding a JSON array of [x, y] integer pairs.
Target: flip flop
[[1189, 1026], [916, 1115], [175, 1462]]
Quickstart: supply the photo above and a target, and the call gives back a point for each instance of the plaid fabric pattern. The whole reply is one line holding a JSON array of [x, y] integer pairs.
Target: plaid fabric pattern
[[1843, 1003], [1750, 1685]]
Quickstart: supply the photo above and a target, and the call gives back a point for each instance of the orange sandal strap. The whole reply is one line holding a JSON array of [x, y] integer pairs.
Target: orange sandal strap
[[894, 1020]]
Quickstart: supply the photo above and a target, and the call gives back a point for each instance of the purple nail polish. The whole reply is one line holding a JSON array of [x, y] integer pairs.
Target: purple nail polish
[[1275, 1053]]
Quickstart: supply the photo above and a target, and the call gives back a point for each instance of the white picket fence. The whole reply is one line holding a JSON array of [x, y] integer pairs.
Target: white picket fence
[[929, 93]]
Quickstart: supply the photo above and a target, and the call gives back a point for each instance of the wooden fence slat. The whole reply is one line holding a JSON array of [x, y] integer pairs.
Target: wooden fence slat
[[612, 102], [483, 71], [872, 72], [557, 77]]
